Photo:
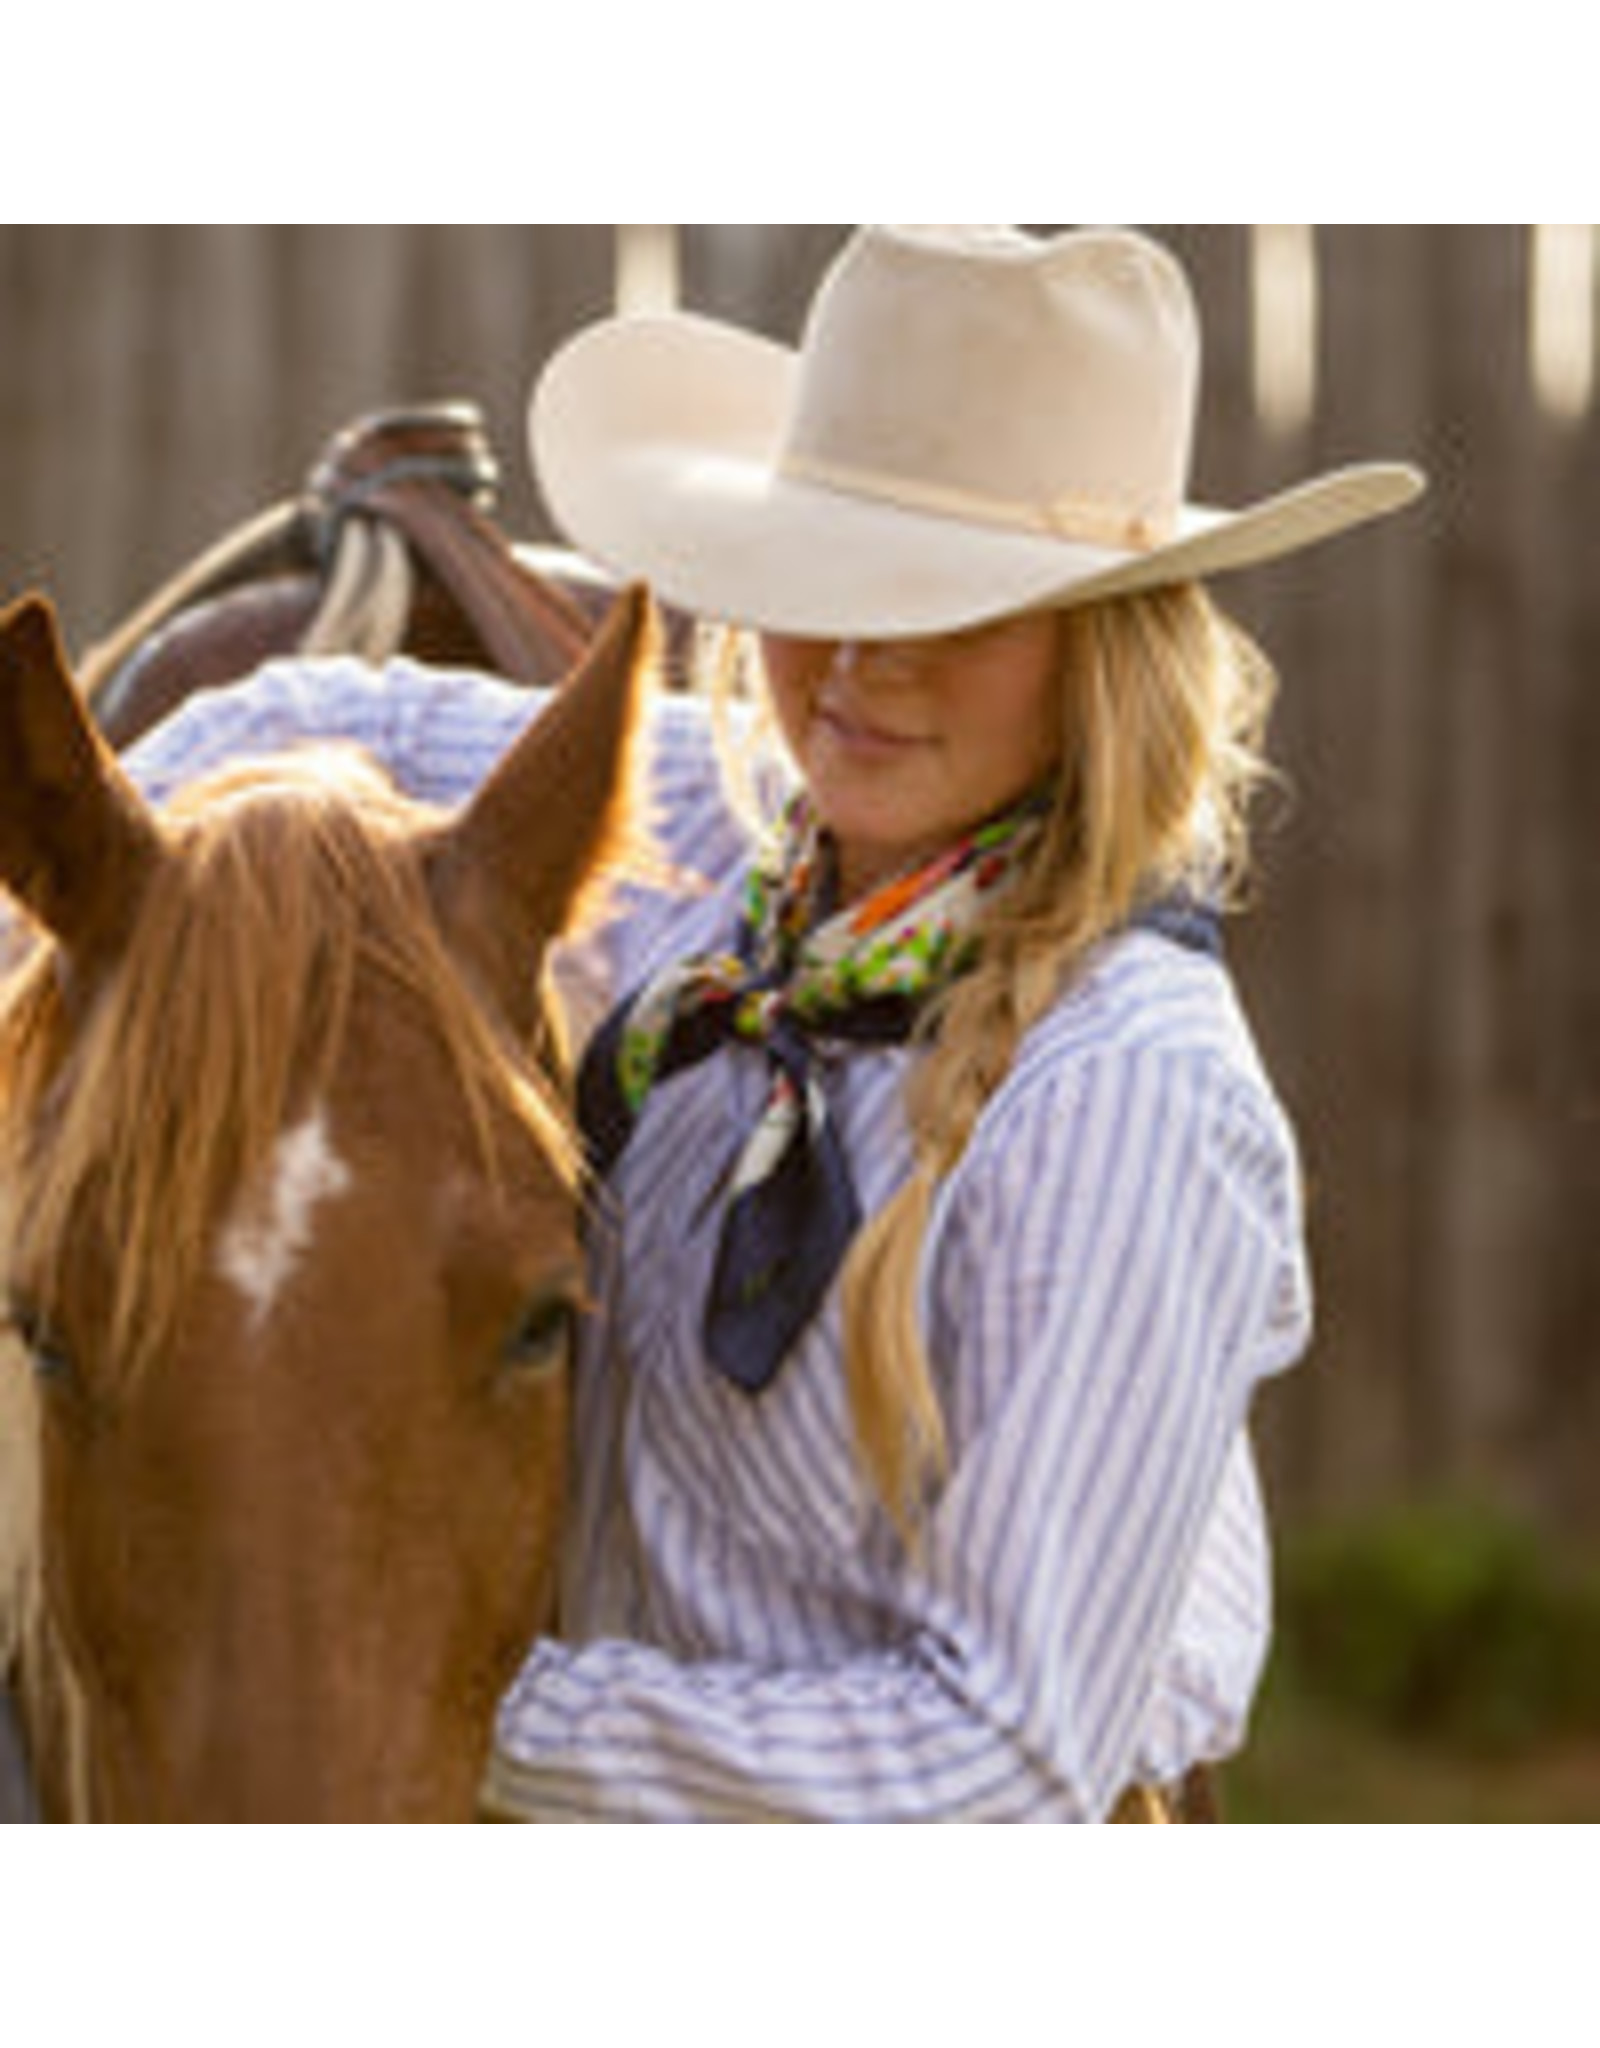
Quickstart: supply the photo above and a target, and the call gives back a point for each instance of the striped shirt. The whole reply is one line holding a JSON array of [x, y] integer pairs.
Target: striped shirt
[[1114, 1265]]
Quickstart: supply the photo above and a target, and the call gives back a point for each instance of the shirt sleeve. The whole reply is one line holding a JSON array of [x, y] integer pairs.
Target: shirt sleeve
[[1117, 1265], [437, 732]]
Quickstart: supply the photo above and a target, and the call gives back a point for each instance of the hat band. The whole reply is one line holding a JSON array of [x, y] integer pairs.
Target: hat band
[[1087, 520]]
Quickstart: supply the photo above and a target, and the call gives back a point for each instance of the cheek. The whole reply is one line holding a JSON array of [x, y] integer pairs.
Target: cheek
[[1020, 725], [510, 1412], [998, 752], [1041, 731], [118, 1563], [511, 1560], [791, 670]]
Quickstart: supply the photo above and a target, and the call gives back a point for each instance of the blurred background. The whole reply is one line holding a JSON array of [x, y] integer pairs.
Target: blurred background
[[1424, 959]]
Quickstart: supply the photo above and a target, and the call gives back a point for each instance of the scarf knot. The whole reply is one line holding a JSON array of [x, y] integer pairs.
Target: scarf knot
[[803, 974]]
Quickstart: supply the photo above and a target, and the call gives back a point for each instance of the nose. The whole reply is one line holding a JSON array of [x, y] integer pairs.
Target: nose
[[872, 663]]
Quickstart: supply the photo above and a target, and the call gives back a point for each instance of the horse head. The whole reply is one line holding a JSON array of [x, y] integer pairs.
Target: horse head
[[288, 1221]]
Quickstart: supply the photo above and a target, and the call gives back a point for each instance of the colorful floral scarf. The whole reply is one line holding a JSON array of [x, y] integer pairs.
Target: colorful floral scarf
[[805, 972]]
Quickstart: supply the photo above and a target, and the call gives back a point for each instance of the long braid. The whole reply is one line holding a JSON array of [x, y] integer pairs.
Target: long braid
[[1166, 705]]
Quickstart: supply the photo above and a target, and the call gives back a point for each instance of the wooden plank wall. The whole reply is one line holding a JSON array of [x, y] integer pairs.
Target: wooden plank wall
[[160, 383], [1419, 963]]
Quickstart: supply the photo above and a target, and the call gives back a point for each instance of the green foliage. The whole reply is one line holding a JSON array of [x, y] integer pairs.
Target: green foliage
[[1442, 1620]]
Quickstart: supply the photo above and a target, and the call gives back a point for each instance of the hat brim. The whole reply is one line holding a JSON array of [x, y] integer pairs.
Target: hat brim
[[656, 441]]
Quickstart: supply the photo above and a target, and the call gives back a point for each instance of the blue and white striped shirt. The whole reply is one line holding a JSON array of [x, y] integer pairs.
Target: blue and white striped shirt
[[1111, 1269]]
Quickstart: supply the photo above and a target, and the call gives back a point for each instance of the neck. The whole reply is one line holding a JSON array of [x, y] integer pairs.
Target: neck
[[861, 868]]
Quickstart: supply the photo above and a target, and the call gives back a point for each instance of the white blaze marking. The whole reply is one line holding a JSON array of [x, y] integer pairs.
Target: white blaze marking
[[265, 1241]]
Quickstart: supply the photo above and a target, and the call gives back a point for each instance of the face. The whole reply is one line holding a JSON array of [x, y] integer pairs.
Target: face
[[298, 1526], [907, 744], [297, 1564]]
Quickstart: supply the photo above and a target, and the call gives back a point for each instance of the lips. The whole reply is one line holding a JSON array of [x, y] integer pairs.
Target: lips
[[845, 724]]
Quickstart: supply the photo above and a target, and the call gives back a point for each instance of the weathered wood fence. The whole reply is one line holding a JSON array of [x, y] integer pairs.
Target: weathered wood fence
[[1422, 963]]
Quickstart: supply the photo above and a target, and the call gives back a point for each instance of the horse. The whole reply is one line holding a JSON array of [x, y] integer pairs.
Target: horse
[[288, 1254], [289, 1208]]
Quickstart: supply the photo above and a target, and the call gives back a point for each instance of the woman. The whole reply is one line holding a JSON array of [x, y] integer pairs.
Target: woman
[[952, 1221]]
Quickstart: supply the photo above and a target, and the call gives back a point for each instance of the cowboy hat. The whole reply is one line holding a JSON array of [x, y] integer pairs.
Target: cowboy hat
[[978, 421]]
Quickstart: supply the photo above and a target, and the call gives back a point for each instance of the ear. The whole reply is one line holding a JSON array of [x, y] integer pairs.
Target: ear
[[508, 872], [77, 842]]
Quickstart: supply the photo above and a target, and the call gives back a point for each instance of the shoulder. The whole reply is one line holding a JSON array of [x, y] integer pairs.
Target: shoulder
[[1141, 997], [1151, 1026], [1137, 1125], [690, 805]]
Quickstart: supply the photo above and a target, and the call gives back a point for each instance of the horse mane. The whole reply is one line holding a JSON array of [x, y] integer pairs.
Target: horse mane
[[131, 1114]]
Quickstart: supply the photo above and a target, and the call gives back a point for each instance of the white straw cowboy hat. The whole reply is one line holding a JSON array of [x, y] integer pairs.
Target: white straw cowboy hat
[[978, 421]]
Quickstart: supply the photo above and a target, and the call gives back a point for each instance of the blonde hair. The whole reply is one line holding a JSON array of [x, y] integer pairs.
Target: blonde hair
[[1166, 704]]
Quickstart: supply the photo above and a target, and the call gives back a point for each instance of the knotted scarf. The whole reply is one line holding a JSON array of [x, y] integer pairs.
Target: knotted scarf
[[804, 974]]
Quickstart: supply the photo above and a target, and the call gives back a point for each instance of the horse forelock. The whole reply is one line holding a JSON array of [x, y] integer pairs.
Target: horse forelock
[[131, 1122]]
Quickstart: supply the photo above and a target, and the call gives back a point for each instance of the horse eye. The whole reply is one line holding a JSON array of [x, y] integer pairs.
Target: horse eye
[[543, 1337], [48, 1355]]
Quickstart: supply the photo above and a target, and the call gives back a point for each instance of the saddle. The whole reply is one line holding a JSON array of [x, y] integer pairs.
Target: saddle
[[392, 545]]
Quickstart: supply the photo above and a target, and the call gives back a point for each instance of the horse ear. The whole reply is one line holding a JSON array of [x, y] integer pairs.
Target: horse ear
[[511, 867], [76, 840]]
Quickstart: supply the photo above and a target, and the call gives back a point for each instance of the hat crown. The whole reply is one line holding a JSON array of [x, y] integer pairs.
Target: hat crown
[[981, 422], [1048, 384]]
